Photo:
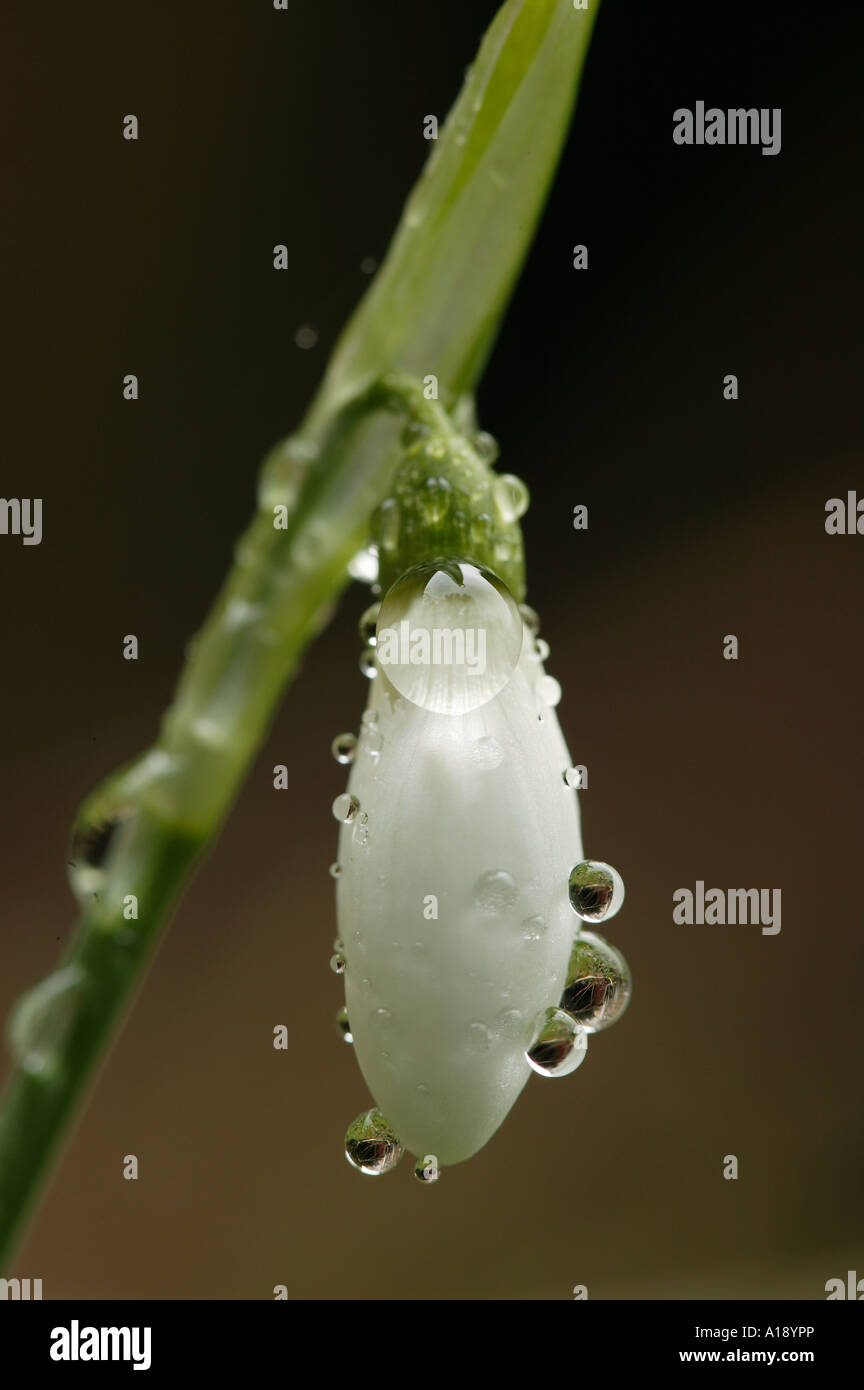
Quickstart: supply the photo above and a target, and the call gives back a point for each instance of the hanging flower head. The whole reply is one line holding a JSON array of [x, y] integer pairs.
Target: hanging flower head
[[459, 833]]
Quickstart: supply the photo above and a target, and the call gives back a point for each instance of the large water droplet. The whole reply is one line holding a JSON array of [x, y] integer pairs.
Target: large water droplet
[[596, 890], [40, 1020], [511, 497], [343, 748], [449, 636], [573, 777], [495, 892], [597, 990], [559, 1044], [371, 1145], [343, 1027], [346, 808], [427, 1170]]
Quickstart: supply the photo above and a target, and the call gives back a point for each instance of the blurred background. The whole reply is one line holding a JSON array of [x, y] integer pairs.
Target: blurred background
[[706, 518]]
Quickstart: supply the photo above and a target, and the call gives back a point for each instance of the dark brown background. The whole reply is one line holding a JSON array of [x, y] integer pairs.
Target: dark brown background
[[706, 518]]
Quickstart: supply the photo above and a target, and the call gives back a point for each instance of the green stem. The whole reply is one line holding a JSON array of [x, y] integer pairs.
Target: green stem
[[434, 308]]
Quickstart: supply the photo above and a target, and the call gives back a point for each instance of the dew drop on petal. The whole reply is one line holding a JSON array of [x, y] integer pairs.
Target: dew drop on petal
[[487, 753], [548, 691], [343, 1027], [495, 892], [335, 870], [449, 636], [373, 741], [573, 777], [371, 1145], [343, 748], [510, 1023], [596, 890], [346, 808], [533, 928], [542, 649], [479, 1038], [338, 963], [597, 989], [559, 1044]]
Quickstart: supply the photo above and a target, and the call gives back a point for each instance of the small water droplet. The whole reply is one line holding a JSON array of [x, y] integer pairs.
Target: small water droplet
[[487, 753], [338, 944], [371, 1145], [366, 626], [596, 890], [346, 808], [533, 928], [572, 777], [367, 663], [598, 985], [364, 565], [510, 496], [530, 618], [481, 530], [343, 748], [559, 1044], [427, 1170], [435, 499], [343, 1027], [338, 963], [373, 741], [368, 718], [486, 445], [542, 649], [335, 870], [92, 840], [548, 691], [306, 336], [387, 524], [495, 892], [361, 830], [510, 1022], [479, 1037], [41, 1019]]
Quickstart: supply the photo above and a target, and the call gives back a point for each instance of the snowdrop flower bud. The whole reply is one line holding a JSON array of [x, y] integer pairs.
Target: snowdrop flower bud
[[459, 835], [461, 887]]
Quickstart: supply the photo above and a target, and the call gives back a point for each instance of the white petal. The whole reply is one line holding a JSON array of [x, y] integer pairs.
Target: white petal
[[443, 1010]]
